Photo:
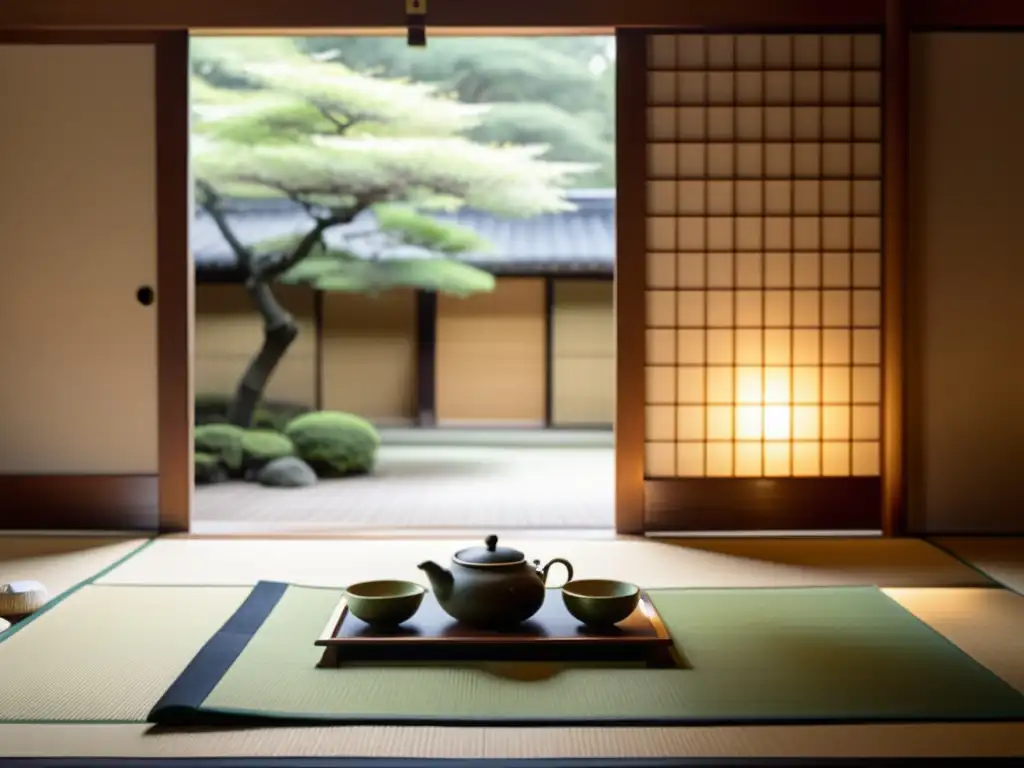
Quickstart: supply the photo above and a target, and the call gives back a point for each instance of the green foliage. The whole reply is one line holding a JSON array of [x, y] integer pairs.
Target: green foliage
[[335, 444], [270, 414], [260, 446], [491, 69], [223, 441], [414, 228], [571, 137], [441, 275], [291, 96], [555, 73], [320, 132], [333, 270], [291, 125], [208, 469], [347, 173]]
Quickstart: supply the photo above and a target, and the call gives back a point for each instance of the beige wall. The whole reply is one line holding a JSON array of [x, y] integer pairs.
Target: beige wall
[[229, 332], [78, 353], [966, 275], [583, 353], [369, 355], [491, 355]]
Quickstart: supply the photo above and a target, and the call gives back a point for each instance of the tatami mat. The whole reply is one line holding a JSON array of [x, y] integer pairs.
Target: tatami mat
[[119, 674], [653, 564], [987, 624], [930, 740], [60, 562], [1001, 558], [108, 653], [130, 643]]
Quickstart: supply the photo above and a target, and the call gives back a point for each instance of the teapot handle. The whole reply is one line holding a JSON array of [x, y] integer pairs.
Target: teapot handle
[[561, 561]]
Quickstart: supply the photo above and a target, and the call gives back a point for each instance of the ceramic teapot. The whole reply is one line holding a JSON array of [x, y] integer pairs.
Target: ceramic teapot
[[491, 587]]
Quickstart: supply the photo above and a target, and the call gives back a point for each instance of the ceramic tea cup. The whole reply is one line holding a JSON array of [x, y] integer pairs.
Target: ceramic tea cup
[[600, 603], [384, 603]]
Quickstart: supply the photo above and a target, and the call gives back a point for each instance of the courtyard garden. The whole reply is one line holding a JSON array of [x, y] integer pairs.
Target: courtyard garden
[[339, 166]]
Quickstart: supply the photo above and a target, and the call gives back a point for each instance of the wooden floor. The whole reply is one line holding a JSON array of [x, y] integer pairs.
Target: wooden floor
[[956, 599]]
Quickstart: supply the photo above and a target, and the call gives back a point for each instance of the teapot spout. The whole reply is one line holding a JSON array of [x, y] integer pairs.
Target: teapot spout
[[441, 579]]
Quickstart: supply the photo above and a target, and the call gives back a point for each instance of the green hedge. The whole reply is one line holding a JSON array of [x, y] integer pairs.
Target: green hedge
[[208, 468], [335, 444], [223, 441], [260, 446], [270, 414]]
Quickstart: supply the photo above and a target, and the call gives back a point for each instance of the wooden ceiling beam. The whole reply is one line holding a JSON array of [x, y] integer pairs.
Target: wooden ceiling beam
[[274, 15], [475, 17], [965, 15]]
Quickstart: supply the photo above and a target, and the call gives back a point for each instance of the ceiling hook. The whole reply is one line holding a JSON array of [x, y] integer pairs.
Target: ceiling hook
[[416, 23]]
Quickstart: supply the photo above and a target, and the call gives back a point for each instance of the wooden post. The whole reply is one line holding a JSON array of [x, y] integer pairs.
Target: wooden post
[[630, 278], [896, 211]]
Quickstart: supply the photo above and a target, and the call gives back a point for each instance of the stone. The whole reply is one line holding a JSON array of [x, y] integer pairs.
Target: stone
[[4, 625], [22, 597], [286, 472]]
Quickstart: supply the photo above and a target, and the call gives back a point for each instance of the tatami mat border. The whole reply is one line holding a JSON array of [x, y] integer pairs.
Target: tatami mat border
[[492, 762], [54, 602], [952, 552]]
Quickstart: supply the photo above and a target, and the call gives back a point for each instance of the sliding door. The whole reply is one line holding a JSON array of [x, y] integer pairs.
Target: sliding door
[[79, 295], [763, 282]]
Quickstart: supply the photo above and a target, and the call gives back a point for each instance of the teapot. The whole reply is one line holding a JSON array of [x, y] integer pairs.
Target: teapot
[[491, 587]]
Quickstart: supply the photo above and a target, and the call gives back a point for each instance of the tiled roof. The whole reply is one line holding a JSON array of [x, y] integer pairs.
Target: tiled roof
[[582, 240]]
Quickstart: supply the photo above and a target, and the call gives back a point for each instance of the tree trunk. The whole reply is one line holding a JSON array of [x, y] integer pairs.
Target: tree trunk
[[279, 331], [279, 328]]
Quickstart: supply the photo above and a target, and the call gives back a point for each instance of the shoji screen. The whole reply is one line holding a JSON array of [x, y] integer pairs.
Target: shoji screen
[[764, 257]]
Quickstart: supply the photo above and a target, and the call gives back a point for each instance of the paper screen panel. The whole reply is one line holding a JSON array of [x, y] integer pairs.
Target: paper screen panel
[[763, 256]]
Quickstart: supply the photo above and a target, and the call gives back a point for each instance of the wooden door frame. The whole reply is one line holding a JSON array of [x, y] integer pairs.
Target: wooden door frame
[[164, 23], [748, 505], [147, 501]]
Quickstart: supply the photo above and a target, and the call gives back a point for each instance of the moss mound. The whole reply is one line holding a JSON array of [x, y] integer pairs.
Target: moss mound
[[335, 444]]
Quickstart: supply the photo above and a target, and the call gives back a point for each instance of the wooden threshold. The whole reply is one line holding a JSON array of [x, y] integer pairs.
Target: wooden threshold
[[80, 502], [763, 504], [245, 530]]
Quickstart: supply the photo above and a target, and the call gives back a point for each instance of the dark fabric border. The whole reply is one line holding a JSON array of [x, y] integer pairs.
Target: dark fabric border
[[181, 702], [973, 566], [60, 598], [492, 762]]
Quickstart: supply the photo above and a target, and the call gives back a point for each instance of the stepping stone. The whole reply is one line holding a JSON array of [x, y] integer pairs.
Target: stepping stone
[[20, 598]]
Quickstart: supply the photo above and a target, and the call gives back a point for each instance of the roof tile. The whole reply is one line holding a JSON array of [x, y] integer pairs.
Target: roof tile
[[582, 240]]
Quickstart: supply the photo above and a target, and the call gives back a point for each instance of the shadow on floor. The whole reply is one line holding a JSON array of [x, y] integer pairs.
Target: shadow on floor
[[427, 468]]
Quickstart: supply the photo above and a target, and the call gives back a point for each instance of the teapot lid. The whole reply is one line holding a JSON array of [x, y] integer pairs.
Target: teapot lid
[[490, 554]]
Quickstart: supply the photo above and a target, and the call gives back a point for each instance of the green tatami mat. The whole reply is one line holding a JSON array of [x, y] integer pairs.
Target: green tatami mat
[[757, 656], [107, 653]]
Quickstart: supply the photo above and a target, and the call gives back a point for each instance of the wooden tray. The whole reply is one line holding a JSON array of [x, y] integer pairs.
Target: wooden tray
[[551, 635]]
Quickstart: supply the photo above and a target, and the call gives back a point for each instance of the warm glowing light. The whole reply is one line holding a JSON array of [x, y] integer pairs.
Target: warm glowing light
[[764, 300], [748, 384], [776, 422], [763, 422], [776, 385], [749, 422]]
